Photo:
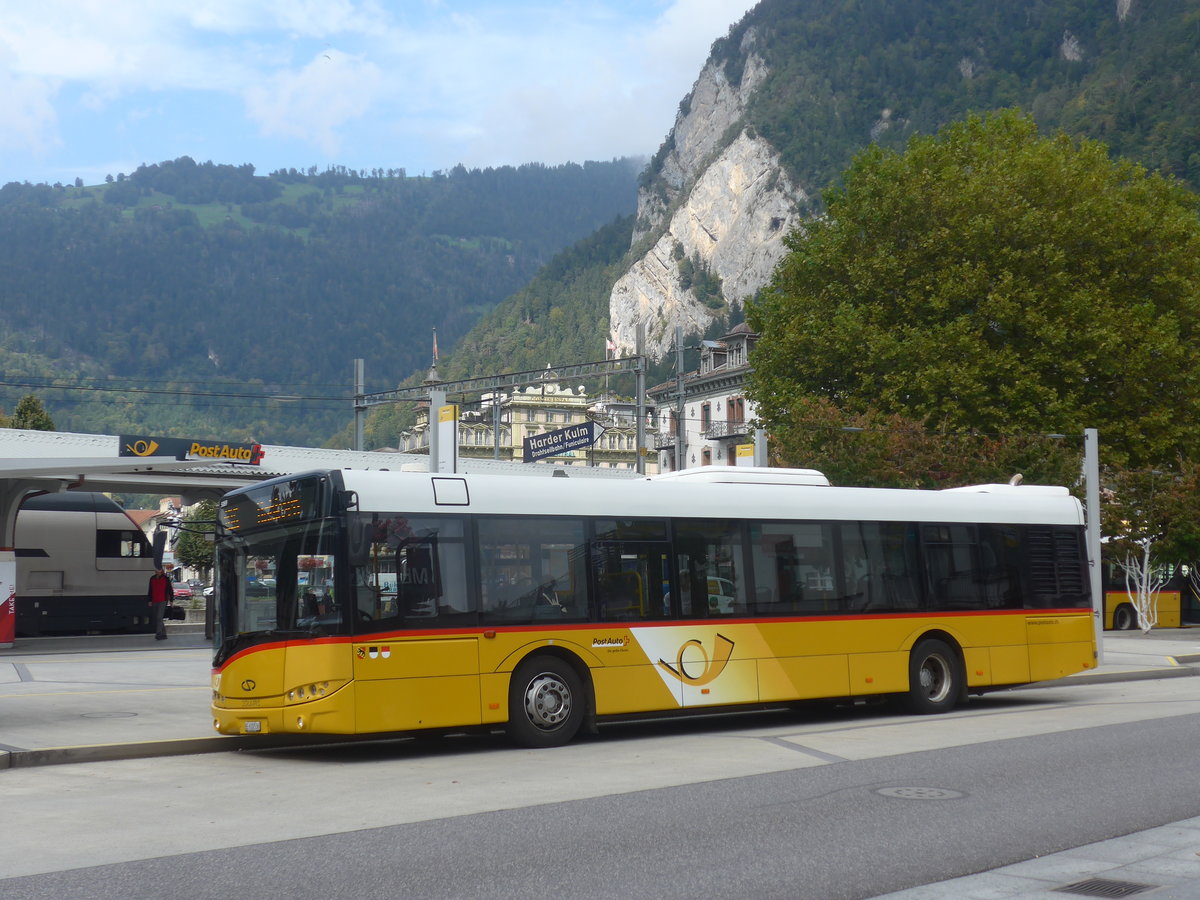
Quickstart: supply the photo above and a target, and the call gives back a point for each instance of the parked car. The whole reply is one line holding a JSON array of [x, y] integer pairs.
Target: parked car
[[720, 595], [183, 592]]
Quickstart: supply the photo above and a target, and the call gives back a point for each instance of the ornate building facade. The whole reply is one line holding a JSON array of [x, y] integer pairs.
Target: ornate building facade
[[716, 415], [497, 428]]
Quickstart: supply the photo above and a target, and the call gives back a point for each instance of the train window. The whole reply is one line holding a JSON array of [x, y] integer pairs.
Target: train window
[[121, 544]]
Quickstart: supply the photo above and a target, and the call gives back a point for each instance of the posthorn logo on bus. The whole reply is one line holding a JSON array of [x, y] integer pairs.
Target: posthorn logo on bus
[[694, 666]]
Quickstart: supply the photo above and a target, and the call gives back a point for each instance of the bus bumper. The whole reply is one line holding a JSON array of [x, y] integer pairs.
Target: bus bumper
[[327, 715]]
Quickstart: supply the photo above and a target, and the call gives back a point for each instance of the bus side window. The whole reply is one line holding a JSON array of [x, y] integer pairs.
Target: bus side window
[[710, 557], [881, 566], [415, 573], [631, 580], [794, 571], [532, 569], [951, 555]]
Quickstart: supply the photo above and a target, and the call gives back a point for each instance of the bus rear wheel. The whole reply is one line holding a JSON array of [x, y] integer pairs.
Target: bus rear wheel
[[1124, 618], [934, 678], [545, 703]]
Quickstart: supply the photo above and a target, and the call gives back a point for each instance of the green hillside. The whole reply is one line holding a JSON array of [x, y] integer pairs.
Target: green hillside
[[210, 283], [844, 74], [841, 75], [213, 286]]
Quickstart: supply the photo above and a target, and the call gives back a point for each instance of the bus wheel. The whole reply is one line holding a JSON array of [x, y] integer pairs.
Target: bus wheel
[[1124, 618], [934, 680], [545, 703]]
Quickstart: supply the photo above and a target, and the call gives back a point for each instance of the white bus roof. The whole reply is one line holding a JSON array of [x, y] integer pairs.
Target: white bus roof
[[745, 475], [690, 497]]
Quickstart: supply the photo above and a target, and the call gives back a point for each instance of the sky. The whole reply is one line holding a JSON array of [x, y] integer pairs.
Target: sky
[[90, 88]]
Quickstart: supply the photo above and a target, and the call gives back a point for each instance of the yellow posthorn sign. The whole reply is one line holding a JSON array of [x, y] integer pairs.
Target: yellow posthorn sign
[[186, 448]]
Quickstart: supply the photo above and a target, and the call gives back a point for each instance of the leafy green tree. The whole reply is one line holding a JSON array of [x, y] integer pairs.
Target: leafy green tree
[[988, 279], [879, 450], [193, 549], [31, 415], [1151, 518]]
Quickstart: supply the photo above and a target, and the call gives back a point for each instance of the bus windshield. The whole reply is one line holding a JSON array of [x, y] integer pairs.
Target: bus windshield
[[278, 583]]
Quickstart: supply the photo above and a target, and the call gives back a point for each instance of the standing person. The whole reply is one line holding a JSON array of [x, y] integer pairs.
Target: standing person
[[159, 594]]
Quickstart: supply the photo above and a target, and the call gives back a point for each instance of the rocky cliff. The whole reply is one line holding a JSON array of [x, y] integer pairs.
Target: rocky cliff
[[712, 215]]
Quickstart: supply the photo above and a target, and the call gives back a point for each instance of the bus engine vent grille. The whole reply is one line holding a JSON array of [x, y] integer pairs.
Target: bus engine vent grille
[[1054, 563], [1105, 887]]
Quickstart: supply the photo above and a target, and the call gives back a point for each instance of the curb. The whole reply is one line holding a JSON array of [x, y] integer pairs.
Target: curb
[[13, 758], [55, 756], [1176, 671]]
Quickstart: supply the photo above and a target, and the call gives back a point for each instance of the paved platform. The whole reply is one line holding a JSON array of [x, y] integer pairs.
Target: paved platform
[[77, 699]]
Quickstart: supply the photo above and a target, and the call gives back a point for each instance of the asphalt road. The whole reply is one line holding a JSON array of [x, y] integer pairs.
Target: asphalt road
[[822, 804]]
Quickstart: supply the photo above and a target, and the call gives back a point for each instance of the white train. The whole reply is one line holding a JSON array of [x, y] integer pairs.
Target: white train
[[83, 565]]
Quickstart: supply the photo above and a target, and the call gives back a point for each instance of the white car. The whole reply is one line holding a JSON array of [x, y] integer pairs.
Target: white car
[[721, 595]]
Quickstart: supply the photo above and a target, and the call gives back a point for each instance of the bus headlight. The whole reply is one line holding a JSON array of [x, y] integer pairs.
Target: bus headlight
[[313, 691]]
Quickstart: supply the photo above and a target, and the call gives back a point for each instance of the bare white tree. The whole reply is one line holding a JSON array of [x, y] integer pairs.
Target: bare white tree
[[1144, 579]]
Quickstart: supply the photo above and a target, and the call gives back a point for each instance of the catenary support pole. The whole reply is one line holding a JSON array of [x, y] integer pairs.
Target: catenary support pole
[[640, 378], [680, 421], [360, 409], [1091, 477]]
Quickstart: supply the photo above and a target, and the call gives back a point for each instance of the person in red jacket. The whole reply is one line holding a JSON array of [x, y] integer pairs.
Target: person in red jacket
[[159, 594]]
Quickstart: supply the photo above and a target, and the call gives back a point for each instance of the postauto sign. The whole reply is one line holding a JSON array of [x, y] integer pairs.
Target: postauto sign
[[186, 448], [552, 443]]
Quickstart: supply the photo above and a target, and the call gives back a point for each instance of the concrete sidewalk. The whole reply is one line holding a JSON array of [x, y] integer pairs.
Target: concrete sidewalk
[[76, 699], [66, 700]]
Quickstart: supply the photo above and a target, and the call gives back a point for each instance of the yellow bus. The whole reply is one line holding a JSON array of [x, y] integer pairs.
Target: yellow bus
[[1119, 611], [356, 602]]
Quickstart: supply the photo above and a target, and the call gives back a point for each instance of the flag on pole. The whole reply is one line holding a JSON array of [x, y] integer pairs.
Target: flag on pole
[[610, 347], [435, 353]]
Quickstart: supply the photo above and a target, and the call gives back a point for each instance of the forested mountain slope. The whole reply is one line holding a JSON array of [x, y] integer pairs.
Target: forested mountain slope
[[210, 276], [798, 86], [209, 280]]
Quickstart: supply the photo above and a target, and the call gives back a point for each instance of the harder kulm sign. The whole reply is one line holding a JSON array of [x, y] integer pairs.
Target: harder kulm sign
[[552, 443], [185, 448]]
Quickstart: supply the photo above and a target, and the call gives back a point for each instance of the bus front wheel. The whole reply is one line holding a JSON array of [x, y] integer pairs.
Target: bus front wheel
[[545, 703], [1124, 618], [934, 678]]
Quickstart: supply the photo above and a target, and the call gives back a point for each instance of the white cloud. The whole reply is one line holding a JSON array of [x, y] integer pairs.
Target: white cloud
[[27, 114], [574, 85], [419, 83], [314, 102]]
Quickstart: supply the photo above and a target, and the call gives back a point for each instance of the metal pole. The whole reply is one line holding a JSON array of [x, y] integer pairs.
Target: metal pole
[[495, 424], [1091, 476], [437, 399], [640, 440], [680, 422], [360, 408]]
